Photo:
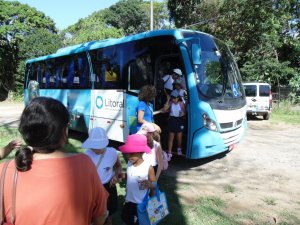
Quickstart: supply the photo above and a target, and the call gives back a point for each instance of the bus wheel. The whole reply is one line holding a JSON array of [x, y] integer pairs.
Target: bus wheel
[[266, 116]]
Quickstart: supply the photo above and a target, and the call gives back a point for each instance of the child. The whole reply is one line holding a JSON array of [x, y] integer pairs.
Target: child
[[175, 123], [177, 84], [155, 157], [179, 76], [108, 165], [9, 147], [140, 176]]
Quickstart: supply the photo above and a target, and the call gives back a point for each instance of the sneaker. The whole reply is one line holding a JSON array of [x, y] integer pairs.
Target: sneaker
[[169, 156], [179, 152]]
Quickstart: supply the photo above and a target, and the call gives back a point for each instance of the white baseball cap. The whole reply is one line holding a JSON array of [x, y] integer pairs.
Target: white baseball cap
[[97, 139], [177, 71]]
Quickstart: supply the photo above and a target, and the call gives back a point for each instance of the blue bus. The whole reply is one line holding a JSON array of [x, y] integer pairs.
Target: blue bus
[[99, 82]]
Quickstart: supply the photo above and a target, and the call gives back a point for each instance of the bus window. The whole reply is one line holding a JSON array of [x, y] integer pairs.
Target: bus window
[[106, 67], [71, 70], [111, 74], [50, 73], [64, 73], [32, 71], [96, 66], [68, 77], [140, 73], [43, 75], [83, 71], [58, 76]]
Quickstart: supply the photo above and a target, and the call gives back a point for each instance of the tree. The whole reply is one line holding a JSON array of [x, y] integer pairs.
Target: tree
[[91, 28], [127, 15], [123, 18], [261, 33], [183, 12], [37, 43], [16, 22]]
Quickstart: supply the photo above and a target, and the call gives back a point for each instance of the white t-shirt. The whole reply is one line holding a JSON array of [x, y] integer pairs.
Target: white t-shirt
[[106, 168], [175, 109], [151, 157], [134, 175], [168, 82]]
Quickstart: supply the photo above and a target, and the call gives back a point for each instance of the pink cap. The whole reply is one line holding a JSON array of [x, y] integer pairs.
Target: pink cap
[[135, 143]]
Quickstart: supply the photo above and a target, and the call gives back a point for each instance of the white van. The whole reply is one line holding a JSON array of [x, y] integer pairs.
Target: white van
[[259, 99]]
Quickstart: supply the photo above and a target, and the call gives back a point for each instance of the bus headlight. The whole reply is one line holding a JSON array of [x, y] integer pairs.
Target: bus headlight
[[209, 123]]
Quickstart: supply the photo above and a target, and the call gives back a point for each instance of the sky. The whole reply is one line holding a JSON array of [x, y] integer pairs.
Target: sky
[[67, 12]]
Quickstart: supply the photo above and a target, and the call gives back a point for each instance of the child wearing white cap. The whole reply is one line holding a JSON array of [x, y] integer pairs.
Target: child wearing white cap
[[179, 75], [108, 165]]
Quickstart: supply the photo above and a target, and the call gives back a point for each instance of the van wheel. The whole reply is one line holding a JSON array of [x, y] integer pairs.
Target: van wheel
[[266, 116]]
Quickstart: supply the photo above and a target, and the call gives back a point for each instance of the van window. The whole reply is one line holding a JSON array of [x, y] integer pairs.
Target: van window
[[250, 90], [264, 90]]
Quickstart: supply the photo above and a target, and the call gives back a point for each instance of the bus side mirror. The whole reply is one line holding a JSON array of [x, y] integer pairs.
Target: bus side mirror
[[196, 54]]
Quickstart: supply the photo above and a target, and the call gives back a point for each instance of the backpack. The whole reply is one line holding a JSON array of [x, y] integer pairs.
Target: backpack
[[165, 160]]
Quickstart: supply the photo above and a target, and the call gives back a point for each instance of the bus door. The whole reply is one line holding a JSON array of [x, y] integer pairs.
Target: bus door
[[107, 111], [164, 67]]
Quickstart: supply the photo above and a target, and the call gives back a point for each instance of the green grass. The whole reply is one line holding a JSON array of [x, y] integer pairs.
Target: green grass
[[289, 218], [269, 201], [286, 113], [229, 188], [8, 134]]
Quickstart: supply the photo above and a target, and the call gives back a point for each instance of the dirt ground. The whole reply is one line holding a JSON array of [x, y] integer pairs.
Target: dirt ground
[[261, 175]]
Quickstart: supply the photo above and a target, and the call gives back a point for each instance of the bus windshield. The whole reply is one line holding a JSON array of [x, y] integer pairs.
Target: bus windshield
[[217, 76]]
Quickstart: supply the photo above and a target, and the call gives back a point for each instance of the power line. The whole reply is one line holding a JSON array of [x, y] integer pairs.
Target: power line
[[203, 22]]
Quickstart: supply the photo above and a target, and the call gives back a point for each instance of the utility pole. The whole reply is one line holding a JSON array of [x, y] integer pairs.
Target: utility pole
[[151, 14]]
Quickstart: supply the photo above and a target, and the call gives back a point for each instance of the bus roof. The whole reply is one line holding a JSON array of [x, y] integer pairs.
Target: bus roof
[[110, 42]]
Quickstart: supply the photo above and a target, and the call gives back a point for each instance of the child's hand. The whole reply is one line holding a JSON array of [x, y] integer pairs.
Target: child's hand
[[15, 144], [113, 181], [144, 184], [117, 178]]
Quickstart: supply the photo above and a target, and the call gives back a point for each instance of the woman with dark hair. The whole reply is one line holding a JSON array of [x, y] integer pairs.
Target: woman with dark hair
[[144, 111], [53, 186]]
